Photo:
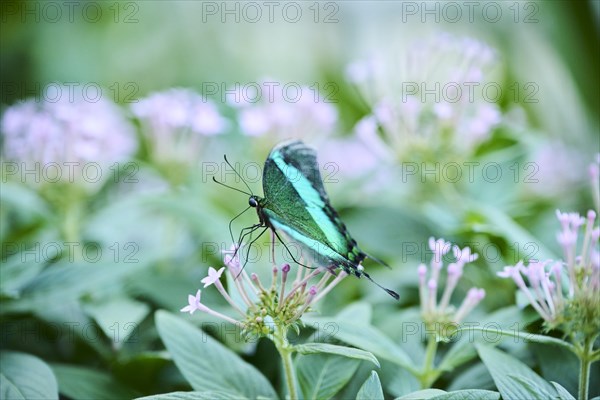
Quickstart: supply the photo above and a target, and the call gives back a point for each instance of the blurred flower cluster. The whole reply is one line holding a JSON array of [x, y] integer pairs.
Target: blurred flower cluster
[[265, 309], [441, 312], [174, 122], [283, 112], [551, 177], [431, 100], [75, 138]]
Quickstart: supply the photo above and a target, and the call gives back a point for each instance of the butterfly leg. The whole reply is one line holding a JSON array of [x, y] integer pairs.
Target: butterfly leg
[[243, 235], [273, 247], [288, 250], [250, 246], [231, 222], [332, 269]]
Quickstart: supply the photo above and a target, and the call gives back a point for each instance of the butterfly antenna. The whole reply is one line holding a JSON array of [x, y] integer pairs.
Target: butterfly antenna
[[231, 187], [390, 292], [237, 173]]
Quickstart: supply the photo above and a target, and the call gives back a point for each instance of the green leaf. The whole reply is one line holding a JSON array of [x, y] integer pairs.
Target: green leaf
[[469, 394], [529, 337], [312, 348], [164, 290], [205, 395], [118, 318], [322, 375], [16, 273], [359, 312], [368, 338], [504, 368], [463, 350], [528, 384], [371, 389], [397, 380], [475, 376], [506, 227], [24, 376], [85, 383], [422, 394], [206, 363], [67, 281], [558, 364], [143, 371], [562, 392], [26, 201]]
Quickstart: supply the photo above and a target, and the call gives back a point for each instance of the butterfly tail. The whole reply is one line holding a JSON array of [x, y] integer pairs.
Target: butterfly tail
[[377, 260], [389, 291]]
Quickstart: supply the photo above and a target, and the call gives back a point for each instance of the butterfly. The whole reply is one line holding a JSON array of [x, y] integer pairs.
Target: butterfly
[[295, 203]]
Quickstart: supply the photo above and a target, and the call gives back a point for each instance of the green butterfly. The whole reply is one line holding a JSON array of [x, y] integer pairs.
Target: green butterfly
[[297, 205]]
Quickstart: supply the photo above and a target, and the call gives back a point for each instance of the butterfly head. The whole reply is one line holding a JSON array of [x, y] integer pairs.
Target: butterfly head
[[253, 201]]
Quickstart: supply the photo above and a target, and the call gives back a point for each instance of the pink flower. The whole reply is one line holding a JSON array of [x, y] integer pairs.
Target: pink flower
[[433, 310], [286, 113], [232, 262], [545, 288], [178, 109], [72, 130], [474, 297]]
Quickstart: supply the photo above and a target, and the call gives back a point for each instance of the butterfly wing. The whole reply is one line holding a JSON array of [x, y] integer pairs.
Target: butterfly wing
[[297, 204]]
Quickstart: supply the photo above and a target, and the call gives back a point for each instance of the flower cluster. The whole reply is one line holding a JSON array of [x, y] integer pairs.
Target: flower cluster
[[175, 120], [442, 312], [566, 293], [261, 307], [78, 138], [285, 115], [434, 107]]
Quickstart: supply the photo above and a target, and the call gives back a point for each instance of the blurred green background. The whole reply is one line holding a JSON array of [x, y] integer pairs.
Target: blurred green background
[[160, 231]]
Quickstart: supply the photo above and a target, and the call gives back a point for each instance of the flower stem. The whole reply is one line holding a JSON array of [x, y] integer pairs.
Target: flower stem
[[585, 359], [285, 351], [72, 207], [429, 374]]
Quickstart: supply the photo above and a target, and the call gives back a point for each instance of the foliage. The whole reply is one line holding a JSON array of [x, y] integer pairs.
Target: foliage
[[110, 216]]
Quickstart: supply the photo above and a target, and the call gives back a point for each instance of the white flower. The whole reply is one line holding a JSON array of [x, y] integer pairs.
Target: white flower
[[464, 256], [213, 276], [442, 61], [207, 120], [295, 112], [443, 110], [254, 121], [193, 303], [180, 109]]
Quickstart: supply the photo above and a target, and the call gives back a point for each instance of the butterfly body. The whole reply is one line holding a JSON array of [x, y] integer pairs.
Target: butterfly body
[[295, 203]]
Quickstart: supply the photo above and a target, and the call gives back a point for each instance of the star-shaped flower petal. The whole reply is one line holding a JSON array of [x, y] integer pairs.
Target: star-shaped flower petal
[[194, 303], [213, 276], [464, 256]]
